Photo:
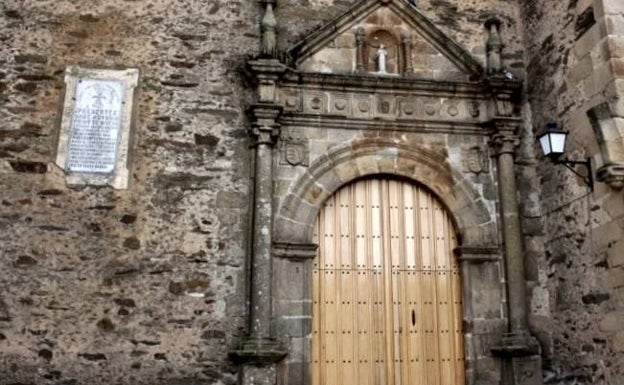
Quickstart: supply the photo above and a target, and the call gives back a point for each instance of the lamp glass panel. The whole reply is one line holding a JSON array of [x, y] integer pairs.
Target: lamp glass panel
[[545, 143], [557, 141]]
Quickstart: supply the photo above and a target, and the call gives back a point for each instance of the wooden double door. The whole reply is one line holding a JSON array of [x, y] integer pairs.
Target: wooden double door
[[386, 289]]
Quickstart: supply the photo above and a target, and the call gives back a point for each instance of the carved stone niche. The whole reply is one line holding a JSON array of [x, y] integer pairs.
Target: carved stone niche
[[374, 41]]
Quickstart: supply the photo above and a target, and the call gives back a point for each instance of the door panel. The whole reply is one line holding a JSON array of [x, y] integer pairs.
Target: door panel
[[386, 289]]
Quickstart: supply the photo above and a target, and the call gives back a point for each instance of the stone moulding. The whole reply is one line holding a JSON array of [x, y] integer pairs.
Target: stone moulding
[[400, 104], [105, 85]]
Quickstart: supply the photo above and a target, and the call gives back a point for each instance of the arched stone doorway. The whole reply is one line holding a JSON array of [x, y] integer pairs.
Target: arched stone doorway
[[386, 296]]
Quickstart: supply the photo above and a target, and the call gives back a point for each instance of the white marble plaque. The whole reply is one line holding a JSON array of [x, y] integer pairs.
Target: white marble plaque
[[94, 140], [95, 126]]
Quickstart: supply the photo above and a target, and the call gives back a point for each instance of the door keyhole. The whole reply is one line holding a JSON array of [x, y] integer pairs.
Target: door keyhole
[[413, 318]]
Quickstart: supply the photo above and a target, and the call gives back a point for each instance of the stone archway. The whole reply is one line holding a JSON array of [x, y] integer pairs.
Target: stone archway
[[475, 223], [298, 210]]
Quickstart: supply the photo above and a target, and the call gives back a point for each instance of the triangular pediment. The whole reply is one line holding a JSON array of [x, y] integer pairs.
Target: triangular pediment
[[413, 45]]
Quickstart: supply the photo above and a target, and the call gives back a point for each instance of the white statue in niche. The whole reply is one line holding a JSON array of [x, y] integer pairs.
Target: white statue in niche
[[381, 59]]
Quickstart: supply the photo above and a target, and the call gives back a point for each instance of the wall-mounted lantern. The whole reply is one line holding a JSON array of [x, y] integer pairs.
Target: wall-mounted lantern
[[553, 143]]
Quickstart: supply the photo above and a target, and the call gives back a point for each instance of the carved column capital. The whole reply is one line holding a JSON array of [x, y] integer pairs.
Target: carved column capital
[[264, 126], [505, 139]]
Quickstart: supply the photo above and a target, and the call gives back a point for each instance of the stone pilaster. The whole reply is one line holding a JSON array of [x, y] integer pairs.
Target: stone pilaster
[[521, 350], [406, 40], [260, 352], [360, 38]]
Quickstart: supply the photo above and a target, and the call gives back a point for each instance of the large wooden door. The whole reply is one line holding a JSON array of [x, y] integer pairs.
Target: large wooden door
[[386, 289]]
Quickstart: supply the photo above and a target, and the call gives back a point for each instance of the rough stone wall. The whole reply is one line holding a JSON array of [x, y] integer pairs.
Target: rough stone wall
[[140, 286], [573, 64]]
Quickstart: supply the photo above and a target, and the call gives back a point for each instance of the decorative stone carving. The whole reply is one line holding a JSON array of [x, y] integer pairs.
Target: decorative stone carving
[[94, 140], [476, 160], [430, 107], [494, 47], [452, 109], [407, 108], [269, 23], [474, 108], [385, 105], [315, 102], [341, 104], [294, 151]]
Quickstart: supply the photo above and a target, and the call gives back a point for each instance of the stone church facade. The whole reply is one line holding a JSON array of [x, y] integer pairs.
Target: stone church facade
[[296, 176]]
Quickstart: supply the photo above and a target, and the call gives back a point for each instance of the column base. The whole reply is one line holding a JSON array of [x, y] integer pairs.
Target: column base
[[517, 344], [522, 364], [257, 375], [258, 352], [523, 371]]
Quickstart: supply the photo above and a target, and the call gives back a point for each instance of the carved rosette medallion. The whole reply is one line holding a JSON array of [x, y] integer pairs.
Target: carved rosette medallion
[[294, 151], [340, 104], [430, 107], [474, 108], [315, 103], [383, 106], [408, 109], [476, 160], [453, 110]]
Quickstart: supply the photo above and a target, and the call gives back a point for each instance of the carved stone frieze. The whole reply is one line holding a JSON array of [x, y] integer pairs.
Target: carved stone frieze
[[380, 105]]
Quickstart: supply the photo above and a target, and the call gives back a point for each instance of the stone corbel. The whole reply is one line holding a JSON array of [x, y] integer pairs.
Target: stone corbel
[[609, 129], [477, 254], [295, 251]]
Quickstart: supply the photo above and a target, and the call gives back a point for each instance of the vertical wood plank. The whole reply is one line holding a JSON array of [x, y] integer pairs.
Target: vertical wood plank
[[386, 289]]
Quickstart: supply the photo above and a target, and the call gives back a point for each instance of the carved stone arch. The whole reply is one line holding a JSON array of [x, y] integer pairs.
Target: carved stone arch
[[299, 209]]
